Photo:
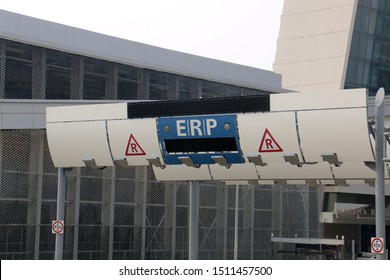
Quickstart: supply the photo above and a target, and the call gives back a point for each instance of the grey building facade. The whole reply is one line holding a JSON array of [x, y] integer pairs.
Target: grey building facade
[[122, 213]]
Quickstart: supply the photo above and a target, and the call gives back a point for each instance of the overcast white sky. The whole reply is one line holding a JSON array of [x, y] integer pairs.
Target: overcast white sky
[[239, 31]]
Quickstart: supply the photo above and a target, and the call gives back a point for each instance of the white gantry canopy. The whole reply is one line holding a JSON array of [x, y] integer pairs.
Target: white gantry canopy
[[295, 138]]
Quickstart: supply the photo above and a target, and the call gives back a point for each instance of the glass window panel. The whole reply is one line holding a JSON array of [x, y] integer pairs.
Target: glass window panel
[[379, 24], [185, 84], [127, 72], [377, 50], [158, 93], [94, 87], [370, 46], [386, 26], [382, 77], [57, 58], [381, 4], [249, 91], [359, 72], [351, 72], [127, 90], [186, 89], [358, 19], [362, 45], [365, 20], [374, 76], [384, 52], [19, 50], [96, 66], [57, 83], [354, 45], [366, 74], [372, 23], [210, 89], [18, 79], [234, 91], [158, 79]]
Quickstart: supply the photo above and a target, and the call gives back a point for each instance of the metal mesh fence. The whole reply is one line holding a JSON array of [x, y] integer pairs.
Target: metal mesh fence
[[117, 213]]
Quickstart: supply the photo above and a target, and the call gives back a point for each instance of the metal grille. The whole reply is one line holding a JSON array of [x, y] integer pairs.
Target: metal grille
[[300, 206], [117, 213]]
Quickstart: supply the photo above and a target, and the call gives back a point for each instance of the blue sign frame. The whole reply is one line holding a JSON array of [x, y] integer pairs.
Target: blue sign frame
[[200, 138]]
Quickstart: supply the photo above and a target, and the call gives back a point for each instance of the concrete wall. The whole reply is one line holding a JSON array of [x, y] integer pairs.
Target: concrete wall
[[313, 44], [31, 114]]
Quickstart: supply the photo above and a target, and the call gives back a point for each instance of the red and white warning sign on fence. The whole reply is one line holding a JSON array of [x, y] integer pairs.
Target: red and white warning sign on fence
[[57, 227], [377, 245], [268, 143], [133, 148]]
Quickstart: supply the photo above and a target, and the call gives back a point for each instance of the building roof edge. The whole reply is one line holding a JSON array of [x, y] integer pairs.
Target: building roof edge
[[48, 34]]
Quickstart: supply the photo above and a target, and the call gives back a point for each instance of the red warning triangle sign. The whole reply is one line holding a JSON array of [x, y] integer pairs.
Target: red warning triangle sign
[[133, 148], [268, 143]]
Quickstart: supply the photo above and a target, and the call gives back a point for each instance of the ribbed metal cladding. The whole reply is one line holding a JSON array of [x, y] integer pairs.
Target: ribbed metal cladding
[[119, 213]]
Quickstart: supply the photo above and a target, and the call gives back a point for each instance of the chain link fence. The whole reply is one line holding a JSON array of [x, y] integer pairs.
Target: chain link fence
[[118, 213]]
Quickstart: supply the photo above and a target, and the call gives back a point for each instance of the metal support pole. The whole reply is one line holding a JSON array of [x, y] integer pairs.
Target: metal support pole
[[193, 239], [236, 223], [380, 168], [59, 247]]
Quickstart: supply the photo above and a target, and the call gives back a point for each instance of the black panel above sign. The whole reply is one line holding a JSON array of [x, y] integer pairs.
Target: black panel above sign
[[221, 105]]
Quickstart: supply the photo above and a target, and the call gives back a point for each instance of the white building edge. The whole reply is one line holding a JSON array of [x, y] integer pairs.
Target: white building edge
[[313, 52]]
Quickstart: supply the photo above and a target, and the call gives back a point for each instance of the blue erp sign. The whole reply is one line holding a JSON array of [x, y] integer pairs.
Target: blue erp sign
[[199, 138]]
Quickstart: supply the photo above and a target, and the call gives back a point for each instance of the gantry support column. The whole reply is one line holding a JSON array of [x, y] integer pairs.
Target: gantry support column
[[73, 213], [59, 246], [380, 221]]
